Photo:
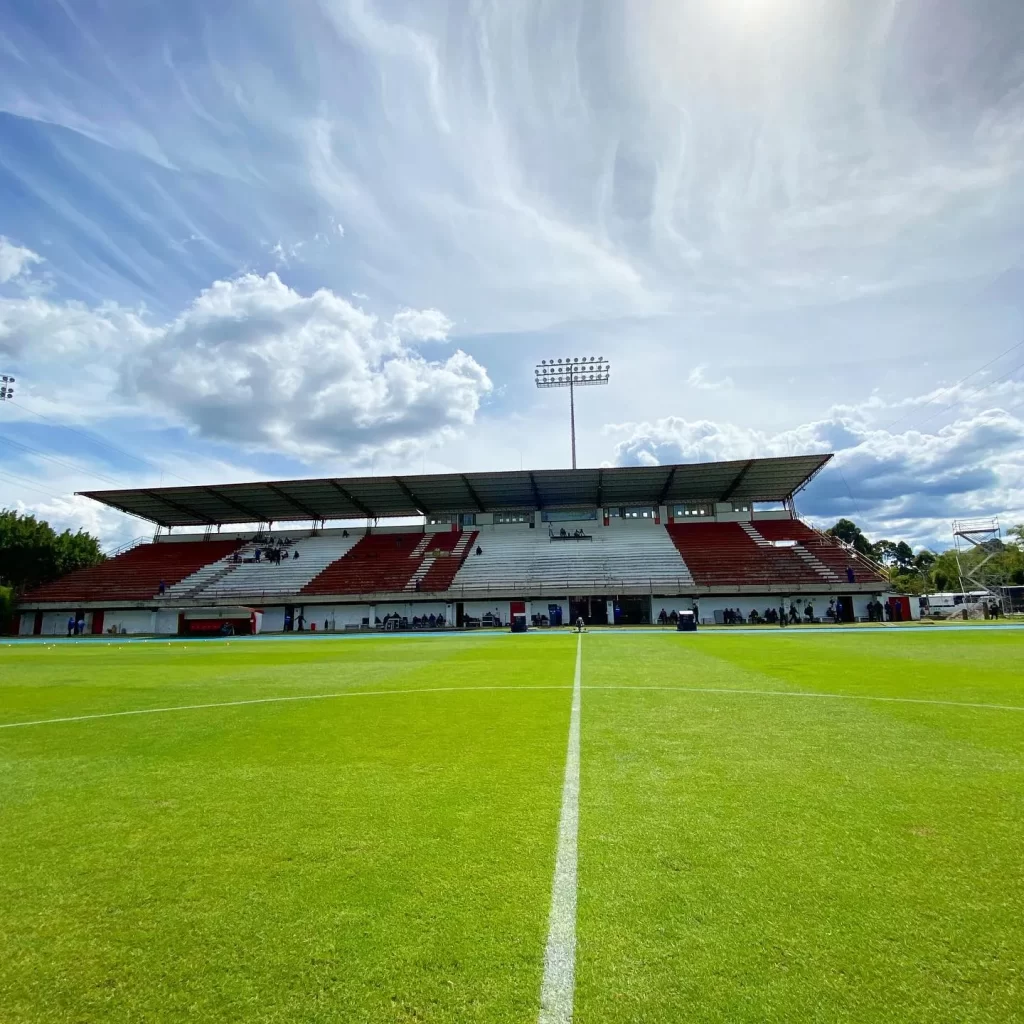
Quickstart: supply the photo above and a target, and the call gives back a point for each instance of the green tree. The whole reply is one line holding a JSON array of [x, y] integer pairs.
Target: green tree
[[850, 533], [884, 551], [32, 552]]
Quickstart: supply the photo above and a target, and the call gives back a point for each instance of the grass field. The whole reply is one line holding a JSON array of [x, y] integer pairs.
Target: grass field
[[772, 827]]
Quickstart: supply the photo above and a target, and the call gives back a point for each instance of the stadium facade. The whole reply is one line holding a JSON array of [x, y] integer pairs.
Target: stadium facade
[[616, 546]]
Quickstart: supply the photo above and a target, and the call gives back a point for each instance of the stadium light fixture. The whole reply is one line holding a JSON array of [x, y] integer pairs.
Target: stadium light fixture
[[6, 388], [577, 372]]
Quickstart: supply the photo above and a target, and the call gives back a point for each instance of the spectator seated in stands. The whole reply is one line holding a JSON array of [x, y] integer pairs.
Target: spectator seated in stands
[[479, 550], [850, 575]]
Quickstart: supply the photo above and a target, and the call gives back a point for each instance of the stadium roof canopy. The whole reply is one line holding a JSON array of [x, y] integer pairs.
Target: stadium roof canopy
[[380, 497]]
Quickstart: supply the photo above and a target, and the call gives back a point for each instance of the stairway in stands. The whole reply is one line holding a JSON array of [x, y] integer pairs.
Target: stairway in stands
[[137, 574], [379, 563], [826, 551], [826, 574], [726, 555], [438, 570]]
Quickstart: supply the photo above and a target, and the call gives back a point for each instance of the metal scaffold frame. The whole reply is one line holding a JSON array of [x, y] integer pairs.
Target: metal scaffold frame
[[970, 535]]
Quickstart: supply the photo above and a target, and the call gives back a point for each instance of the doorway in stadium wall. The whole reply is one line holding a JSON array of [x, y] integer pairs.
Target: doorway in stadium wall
[[634, 610], [844, 608], [593, 610]]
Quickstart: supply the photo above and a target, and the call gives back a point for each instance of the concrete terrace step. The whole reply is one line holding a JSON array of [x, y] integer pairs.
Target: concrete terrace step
[[826, 573]]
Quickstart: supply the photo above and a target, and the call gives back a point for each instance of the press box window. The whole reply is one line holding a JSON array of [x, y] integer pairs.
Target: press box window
[[503, 518], [690, 509]]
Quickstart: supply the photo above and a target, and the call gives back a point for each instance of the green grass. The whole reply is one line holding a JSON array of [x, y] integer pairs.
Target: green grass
[[743, 856]]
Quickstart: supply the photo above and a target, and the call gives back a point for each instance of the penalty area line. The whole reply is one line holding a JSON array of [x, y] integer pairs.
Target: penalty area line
[[558, 986]]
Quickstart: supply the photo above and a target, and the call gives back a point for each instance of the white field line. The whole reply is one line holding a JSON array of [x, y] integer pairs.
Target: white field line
[[473, 689], [270, 700], [821, 696], [558, 987]]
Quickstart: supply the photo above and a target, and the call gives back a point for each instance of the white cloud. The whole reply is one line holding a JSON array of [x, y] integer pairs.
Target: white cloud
[[698, 379], [422, 324], [911, 484], [253, 362], [15, 260]]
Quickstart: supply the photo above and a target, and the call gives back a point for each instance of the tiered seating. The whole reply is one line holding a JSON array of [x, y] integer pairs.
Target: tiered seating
[[379, 563], [827, 551], [438, 573], [722, 554], [515, 557], [136, 575], [230, 579]]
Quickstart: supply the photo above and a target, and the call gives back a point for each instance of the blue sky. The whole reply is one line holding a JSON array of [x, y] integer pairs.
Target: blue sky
[[332, 236]]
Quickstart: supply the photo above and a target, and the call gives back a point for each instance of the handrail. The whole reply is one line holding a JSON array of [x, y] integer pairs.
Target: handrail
[[127, 546]]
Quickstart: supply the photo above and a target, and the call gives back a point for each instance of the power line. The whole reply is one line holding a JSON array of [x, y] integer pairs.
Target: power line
[[953, 387], [976, 391], [56, 461], [95, 439]]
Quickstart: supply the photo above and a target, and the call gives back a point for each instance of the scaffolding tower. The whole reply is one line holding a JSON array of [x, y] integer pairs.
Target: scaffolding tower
[[970, 535]]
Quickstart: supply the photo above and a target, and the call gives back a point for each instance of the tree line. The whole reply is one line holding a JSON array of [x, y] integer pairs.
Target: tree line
[[925, 571], [32, 552]]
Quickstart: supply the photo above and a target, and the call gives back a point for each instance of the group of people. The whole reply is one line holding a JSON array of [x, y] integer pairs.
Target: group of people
[[275, 552], [891, 611], [394, 621], [772, 616], [76, 626], [578, 534]]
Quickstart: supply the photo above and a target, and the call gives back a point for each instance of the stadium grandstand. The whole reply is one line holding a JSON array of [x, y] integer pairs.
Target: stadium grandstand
[[614, 546]]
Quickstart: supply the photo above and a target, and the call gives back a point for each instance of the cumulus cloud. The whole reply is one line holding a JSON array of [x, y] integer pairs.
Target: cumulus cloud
[[253, 362], [422, 324], [15, 259], [909, 484]]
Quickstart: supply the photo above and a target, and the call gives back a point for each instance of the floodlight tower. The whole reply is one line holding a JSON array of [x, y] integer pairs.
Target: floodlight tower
[[572, 373], [6, 388]]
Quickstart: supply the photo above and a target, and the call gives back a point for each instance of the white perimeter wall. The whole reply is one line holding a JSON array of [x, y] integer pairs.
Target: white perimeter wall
[[136, 620]]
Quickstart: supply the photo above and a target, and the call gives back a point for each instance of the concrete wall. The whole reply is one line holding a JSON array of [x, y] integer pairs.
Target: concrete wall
[[135, 620]]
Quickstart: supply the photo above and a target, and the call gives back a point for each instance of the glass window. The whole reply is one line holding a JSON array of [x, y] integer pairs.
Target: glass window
[[690, 508], [568, 515], [512, 517], [741, 506], [643, 512]]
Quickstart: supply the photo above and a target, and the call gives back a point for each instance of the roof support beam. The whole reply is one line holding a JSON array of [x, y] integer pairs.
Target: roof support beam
[[600, 488], [740, 477], [412, 497], [307, 512], [476, 497], [668, 485], [253, 516], [181, 508], [536, 493], [352, 499]]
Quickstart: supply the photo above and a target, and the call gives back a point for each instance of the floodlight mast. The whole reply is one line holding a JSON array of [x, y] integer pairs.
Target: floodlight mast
[[589, 371], [6, 387]]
